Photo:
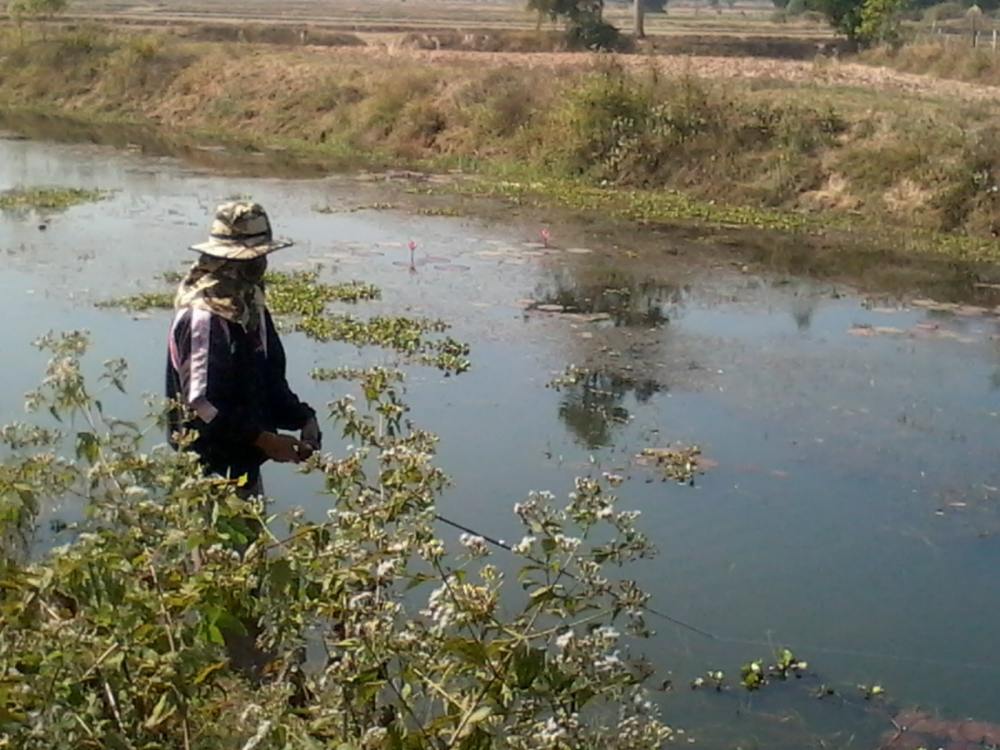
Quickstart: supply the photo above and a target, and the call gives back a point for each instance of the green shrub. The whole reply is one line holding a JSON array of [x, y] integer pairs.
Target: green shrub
[[178, 612], [624, 129]]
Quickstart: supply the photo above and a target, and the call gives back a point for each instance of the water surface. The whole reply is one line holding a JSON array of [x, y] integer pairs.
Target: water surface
[[853, 510]]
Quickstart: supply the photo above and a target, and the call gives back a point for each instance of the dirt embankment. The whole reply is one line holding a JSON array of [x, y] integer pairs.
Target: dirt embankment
[[837, 139]]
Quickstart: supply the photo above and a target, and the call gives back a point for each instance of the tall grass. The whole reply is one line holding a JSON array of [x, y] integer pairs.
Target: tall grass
[[959, 62]]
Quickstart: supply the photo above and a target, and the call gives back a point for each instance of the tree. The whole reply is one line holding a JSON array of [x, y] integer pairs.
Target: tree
[[863, 21], [585, 24], [639, 13]]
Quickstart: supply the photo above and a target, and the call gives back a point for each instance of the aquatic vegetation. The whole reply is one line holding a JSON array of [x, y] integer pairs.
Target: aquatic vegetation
[[408, 336], [439, 211], [571, 376], [48, 198], [295, 293], [356, 373], [299, 299], [302, 293], [174, 602], [871, 692], [714, 677], [393, 332], [141, 302], [680, 463], [787, 664], [379, 206], [752, 675]]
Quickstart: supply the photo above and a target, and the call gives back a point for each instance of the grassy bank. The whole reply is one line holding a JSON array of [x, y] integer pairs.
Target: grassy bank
[[633, 142], [958, 61]]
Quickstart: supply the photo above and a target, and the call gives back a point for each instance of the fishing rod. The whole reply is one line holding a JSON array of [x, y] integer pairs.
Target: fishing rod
[[717, 638]]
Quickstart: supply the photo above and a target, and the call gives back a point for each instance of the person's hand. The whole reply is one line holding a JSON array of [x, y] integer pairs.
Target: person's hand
[[283, 448], [311, 435]]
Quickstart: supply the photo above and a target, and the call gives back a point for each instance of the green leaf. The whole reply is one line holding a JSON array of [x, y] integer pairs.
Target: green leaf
[[280, 574], [214, 635], [476, 717], [87, 447], [161, 712], [471, 649], [528, 665], [205, 672], [228, 623]]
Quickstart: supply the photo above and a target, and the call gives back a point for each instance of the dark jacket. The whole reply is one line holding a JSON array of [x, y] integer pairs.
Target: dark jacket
[[234, 382]]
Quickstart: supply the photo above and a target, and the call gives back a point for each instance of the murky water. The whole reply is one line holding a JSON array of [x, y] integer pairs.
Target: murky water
[[855, 509]]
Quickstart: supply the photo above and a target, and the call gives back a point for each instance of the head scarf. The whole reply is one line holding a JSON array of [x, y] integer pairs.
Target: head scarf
[[230, 289]]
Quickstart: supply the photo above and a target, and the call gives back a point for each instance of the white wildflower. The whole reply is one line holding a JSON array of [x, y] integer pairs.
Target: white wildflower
[[608, 662], [374, 737], [614, 479], [567, 543], [565, 639], [607, 634], [476, 545], [432, 550], [360, 600], [523, 547]]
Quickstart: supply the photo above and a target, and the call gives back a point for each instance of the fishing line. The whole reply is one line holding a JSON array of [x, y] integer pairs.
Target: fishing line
[[503, 545], [733, 640]]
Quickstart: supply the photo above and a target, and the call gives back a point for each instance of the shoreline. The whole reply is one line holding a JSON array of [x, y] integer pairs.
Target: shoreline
[[341, 113]]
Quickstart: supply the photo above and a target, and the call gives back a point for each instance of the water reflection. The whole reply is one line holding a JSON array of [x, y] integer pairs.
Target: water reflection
[[625, 300], [593, 404]]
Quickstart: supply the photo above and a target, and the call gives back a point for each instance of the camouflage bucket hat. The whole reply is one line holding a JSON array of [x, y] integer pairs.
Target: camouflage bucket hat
[[241, 231]]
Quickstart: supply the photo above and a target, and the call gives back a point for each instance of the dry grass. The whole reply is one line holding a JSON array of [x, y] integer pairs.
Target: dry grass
[[833, 138], [957, 62]]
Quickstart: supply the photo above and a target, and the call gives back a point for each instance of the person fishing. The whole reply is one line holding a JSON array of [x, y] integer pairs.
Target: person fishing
[[226, 363]]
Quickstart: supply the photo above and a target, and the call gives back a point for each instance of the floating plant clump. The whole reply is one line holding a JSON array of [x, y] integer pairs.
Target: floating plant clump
[[754, 675], [301, 293], [681, 463], [299, 300], [141, 302], [357, 373], [48, 198]]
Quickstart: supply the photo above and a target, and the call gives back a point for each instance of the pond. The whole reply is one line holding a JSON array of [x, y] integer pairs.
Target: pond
[[850, 506]]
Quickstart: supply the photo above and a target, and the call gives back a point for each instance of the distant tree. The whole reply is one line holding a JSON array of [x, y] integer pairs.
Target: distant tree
[[26, 10], [567, 9], [585, 24], [879, 22], [655, 6], [863, 21], [780, 4]]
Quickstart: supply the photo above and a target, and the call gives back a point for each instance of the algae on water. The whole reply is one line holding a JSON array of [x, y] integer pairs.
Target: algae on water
[[48, 198]]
